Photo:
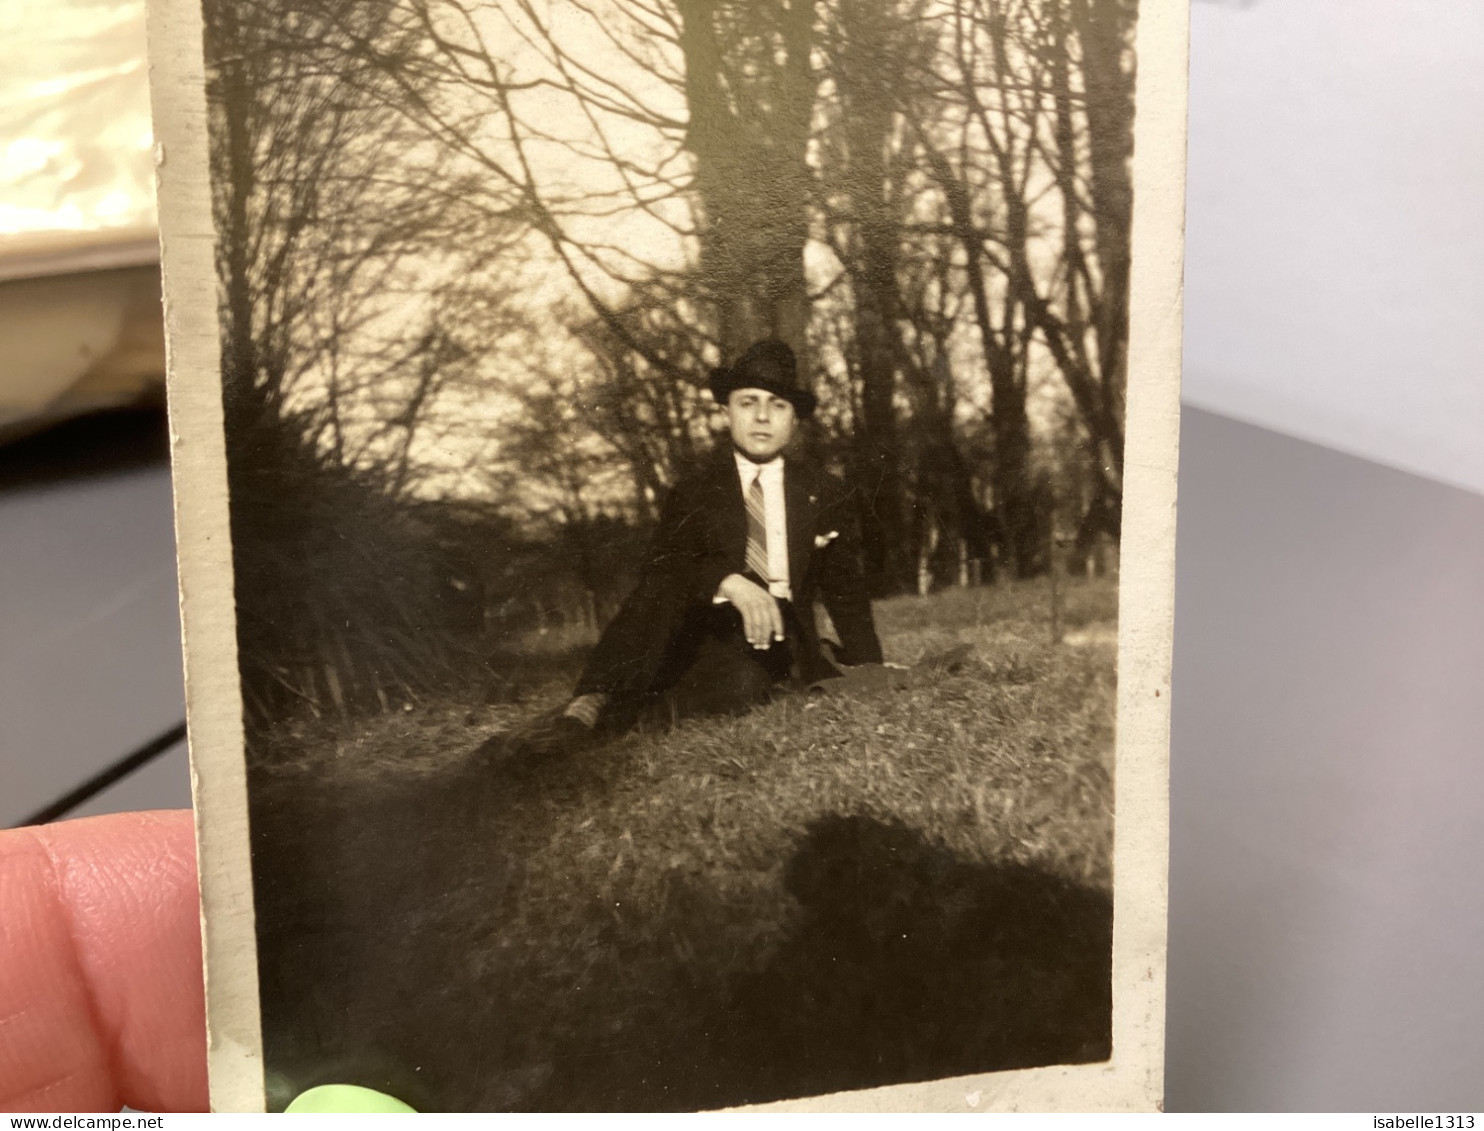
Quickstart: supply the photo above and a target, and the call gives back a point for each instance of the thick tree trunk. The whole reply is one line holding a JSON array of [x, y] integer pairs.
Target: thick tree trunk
[[232, 146], [749, 135], [253, 429], [944, 480], [1103, 28], [867, 115]]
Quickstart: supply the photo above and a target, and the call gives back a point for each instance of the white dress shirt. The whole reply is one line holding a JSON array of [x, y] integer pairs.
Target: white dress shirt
[[775, 518]]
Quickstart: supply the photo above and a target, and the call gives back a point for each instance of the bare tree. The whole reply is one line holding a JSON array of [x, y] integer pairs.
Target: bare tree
[[867, 47], [344, 322], [928, 198], [750, 92], [1029, 89], [1094, 131], [334, 215]]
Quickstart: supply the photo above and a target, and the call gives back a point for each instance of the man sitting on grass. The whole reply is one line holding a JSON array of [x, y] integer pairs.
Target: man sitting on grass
[[723, 614]]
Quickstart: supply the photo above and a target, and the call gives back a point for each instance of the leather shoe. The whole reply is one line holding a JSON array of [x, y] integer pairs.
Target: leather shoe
[[551, 737]]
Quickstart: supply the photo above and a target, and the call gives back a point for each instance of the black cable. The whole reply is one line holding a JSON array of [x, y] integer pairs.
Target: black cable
[[108, 775]]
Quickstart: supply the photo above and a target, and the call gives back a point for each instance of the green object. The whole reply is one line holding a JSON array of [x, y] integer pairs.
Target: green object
[[347, 1098]]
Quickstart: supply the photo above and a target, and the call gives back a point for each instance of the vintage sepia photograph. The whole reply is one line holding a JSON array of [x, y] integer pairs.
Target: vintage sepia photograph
[[673, 455]]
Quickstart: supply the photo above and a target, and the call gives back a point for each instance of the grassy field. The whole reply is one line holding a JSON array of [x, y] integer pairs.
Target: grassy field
[[827, 893]]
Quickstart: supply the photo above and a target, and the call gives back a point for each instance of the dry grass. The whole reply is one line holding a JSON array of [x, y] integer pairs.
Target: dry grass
[[824, 893]]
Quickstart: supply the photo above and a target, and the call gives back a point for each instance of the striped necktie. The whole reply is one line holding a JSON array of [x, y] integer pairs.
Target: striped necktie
[[757, 530]]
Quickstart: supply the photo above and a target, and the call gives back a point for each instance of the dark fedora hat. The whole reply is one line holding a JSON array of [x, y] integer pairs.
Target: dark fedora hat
[[768, 365]]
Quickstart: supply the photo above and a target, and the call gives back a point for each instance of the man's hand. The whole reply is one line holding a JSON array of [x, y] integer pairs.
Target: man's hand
[[762, 620]]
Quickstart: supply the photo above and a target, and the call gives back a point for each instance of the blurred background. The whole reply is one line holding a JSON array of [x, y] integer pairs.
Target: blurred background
[[1324, 893]]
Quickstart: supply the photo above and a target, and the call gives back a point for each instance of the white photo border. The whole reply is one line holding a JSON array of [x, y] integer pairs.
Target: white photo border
[[1133, 1078]]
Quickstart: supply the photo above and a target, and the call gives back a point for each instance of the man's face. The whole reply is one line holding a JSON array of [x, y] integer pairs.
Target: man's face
[[762, 423]]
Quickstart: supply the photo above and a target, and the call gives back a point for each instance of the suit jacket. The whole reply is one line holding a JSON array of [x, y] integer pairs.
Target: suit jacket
[[702, 538]]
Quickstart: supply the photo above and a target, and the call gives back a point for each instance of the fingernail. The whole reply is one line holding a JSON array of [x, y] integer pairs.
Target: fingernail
[[347, 1098]]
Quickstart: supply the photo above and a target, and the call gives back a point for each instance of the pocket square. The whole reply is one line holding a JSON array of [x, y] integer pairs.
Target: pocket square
[[823, 540]]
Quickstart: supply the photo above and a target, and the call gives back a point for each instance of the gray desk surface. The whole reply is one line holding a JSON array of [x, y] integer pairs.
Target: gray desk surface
[[1326, 910], [89, 630], [1325, 906]]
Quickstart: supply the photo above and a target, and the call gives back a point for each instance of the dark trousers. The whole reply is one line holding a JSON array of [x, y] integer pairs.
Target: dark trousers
[[662, 660]]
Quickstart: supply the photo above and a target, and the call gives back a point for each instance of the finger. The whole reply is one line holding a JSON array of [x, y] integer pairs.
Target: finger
[[100, 966], [764, 635], [769, 619], [776, 622], [756, 630]]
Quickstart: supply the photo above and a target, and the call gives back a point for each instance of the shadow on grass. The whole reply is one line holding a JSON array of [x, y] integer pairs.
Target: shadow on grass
[[380, 909], [907, 963]]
